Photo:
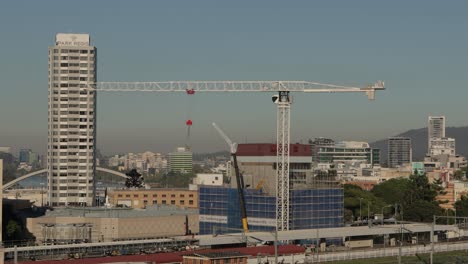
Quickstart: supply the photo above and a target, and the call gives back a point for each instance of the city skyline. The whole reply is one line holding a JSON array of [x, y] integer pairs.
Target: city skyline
[[225, 42]]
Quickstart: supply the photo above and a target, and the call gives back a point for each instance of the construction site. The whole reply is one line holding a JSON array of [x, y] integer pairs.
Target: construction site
[[316, 198]]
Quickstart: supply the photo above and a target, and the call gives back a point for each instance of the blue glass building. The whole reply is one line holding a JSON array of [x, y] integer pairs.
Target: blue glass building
[[309, 208]]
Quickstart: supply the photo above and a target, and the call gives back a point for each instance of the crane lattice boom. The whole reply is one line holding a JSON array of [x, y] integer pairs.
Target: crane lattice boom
[[231, 86]]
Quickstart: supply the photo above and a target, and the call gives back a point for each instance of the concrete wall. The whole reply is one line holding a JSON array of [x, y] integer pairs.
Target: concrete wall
[[136, 198]]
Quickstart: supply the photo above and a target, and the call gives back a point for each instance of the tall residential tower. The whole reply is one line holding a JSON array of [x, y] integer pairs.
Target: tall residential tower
[[71, 161], [436, 128]]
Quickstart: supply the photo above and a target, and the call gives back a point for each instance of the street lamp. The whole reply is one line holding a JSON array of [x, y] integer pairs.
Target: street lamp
[[42, 193], [360, 209], [368, 213]]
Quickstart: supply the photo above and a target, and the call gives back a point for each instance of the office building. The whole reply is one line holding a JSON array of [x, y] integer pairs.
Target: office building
[[180, 161], [399, 151], [435, 128], [345, 152], [71, 161]]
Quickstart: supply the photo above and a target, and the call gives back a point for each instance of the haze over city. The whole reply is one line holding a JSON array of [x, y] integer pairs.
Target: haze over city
[[234, 132], [417, 47]]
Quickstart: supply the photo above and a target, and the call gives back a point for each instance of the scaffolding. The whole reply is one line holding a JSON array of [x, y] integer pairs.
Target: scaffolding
[[309, 208]]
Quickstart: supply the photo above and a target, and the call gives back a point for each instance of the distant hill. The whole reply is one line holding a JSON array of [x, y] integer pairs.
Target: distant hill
[[419, 141]]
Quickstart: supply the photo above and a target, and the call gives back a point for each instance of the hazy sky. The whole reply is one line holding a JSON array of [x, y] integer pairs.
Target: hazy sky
[[418, 47]]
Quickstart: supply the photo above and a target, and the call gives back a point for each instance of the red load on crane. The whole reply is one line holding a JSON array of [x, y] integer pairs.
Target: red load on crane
[[190, 91], [188, 122]]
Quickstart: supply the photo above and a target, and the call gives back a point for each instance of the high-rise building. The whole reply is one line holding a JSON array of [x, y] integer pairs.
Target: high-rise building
[[24, 155], [435, 128], [180, 160], [28, 156], [399, 151], [71, 160]]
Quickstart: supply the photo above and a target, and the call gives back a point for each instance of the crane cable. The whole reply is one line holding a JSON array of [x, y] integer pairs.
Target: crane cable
[[189, 121]]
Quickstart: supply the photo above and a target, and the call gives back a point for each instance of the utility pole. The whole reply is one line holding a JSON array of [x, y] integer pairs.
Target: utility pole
[[42, 194], [276, 245], [360, 209], [431, 256], [368, 214]]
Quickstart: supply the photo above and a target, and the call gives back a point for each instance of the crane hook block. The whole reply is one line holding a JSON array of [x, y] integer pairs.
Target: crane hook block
[[190, 91]]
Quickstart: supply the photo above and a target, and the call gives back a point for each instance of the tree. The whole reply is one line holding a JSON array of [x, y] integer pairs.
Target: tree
[[461, 206], [461, 174], [415, 195], [421, 189], [12, 229], [357, 201], [134, 180], [392, 191], [422, 211]]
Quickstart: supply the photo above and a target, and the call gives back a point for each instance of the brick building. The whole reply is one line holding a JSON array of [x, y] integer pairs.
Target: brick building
[[140, 198]]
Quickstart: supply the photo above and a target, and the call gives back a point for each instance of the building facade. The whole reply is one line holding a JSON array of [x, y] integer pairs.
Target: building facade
[[24, 155], [215, 257], [71, 161], [442, 146], [258, 164], [435, 128], [400, 151], [141, 198], [93, 225], [346, 152], [309, 208], [5, 149], [180, 161]]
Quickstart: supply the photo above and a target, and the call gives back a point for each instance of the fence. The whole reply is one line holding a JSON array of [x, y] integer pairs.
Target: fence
[[363, 254]]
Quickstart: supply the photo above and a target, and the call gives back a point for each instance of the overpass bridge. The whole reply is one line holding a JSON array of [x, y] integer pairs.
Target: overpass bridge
[[44, 171]]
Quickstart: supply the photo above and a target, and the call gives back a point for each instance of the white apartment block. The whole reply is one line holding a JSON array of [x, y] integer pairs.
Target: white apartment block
[[71, 161]]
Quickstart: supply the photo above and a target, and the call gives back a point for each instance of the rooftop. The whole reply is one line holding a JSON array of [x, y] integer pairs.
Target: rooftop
[[99, 212], [218, 255], [268, 149]]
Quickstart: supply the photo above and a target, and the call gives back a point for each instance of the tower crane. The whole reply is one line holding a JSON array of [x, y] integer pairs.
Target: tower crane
[[282, 99], [239, 177]]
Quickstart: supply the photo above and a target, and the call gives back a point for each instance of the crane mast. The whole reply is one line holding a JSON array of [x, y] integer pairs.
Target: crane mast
[[282, 160], [282, 99]]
